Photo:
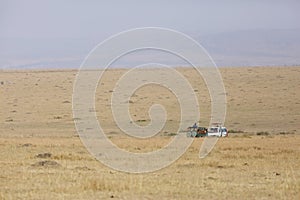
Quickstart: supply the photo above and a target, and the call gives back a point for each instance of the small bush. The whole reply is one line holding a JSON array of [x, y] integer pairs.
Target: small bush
[[43, 155], [172, 134], [46, 163], [286, 133], [141, 120], [263, 133], [235, 131]]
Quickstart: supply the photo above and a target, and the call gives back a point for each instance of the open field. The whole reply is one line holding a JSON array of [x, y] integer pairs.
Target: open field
[[42, 156]]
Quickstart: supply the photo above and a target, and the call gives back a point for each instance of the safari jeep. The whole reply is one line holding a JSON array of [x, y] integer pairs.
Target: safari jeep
[[196, 131], [219, 131]]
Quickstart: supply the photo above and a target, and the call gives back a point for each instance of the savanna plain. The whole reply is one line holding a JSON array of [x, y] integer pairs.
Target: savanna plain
[[42, 156]]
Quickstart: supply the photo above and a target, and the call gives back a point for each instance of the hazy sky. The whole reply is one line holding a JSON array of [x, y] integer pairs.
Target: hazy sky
[[47, 21], [56, 18]]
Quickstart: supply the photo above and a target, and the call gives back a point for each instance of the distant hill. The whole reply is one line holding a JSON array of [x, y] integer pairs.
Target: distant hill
[[255, 47], [239, 48]]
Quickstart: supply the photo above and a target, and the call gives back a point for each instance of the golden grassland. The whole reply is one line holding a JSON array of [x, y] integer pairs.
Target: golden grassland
[[42, 156]]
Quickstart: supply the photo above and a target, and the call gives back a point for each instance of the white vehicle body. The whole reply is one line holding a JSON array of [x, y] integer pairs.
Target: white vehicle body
[[219, 131]]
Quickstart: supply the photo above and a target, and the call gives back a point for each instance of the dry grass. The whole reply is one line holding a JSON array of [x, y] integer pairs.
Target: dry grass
[[36, 118], [257, 167]]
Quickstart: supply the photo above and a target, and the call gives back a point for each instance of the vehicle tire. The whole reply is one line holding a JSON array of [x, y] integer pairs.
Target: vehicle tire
[[194, 134]]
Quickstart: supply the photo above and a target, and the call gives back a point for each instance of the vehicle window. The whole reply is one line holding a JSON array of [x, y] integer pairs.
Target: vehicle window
[[213, 130]]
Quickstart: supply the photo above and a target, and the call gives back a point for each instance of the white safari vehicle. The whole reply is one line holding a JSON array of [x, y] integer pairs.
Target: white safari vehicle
[[219, 131]]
